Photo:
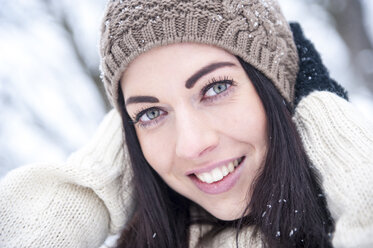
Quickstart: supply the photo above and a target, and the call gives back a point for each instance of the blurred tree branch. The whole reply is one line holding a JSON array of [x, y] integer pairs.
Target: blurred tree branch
[[93, 74], [349, 22]]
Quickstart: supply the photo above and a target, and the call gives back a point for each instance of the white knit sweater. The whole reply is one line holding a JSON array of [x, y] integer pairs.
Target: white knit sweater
[[78, 203]]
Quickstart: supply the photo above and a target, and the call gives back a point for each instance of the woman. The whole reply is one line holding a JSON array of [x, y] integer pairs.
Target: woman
[[184, 127], [215, 141]]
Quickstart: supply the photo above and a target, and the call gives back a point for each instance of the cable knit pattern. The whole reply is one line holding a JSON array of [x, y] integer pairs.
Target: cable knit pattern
[[339, 142], [255, 30], [76, 204]]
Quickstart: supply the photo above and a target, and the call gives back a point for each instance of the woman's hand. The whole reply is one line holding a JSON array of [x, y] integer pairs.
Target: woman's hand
[[312, 75]]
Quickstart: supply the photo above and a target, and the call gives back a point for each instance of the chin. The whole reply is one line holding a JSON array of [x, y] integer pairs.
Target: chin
[[226, 215]]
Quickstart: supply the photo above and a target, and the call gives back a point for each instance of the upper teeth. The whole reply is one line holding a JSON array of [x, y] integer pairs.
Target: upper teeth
[[218, 173]]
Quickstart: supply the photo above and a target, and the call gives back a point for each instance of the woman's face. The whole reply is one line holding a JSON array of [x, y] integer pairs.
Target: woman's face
[[200, 123]]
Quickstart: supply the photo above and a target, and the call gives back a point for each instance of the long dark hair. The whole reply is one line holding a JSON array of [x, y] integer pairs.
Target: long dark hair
[[287, 205]]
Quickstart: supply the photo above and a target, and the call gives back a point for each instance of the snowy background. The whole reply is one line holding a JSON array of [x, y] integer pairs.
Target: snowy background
[[51, 97]]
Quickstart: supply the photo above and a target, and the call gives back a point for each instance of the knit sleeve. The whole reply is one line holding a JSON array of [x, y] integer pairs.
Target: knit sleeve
[[339, 143], [75, 204]]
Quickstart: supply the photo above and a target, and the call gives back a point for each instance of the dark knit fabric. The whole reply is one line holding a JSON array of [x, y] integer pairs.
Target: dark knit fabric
[[312, 74]]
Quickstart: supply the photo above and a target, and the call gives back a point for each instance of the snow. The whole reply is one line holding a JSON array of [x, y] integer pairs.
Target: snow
[[44, 91], [50, 107], [318, 27]]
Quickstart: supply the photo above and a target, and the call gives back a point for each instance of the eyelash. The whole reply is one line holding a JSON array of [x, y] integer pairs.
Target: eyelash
[[211, 83], [136, 117]]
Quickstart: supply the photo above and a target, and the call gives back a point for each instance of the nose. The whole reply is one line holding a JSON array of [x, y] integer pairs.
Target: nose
[[195, 135]]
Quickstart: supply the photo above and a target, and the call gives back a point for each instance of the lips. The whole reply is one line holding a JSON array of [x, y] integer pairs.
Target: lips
[[219, 173], [214, 181]]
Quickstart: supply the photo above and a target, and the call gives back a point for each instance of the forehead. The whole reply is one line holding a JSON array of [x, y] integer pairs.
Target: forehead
[[173, 62]]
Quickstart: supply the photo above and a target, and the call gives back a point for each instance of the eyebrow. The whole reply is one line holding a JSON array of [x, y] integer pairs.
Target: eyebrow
[[189, 83], [205, 70], [139, 99]]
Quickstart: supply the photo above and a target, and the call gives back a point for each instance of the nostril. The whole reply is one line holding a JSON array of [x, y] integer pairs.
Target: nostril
[[194, 150], [207, 149], [195, 136]]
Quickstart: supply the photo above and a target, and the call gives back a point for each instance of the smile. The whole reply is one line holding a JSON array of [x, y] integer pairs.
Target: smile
[[219, 173], [219, 179]]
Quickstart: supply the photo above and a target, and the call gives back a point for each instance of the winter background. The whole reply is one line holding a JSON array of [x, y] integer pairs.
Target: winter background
[[51, 96]]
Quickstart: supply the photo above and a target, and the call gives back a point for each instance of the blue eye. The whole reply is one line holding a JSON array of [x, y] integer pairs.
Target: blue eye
[[150, 115], [217, 88]]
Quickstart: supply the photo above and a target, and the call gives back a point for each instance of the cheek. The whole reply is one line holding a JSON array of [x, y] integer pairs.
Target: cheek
[[157, 150], [246, 121], [255, 123]]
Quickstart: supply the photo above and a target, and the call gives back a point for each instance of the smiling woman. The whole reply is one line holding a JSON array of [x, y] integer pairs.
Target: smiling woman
[[196, 101], [183, 114], [226, 132]]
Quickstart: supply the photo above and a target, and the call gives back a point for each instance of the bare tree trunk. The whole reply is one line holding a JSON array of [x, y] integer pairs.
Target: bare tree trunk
[[93, 74], [349, 21]]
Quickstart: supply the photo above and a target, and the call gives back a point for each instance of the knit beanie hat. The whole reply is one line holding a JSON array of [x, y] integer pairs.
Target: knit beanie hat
[[255, 30]]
